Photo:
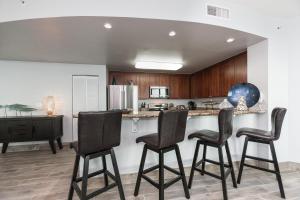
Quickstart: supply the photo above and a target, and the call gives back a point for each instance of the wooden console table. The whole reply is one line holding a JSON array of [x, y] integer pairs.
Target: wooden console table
[[31, 128]]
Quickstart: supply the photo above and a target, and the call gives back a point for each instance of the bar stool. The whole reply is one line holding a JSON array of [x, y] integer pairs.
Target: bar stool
[[264, 137], [98, 133], [217, 140], [171, 130]]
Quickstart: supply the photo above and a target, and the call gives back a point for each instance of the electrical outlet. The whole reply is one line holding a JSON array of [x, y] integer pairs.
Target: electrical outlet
[[134, 125]]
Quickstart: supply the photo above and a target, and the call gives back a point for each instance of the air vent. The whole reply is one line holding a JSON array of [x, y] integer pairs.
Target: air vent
[[217, 11]]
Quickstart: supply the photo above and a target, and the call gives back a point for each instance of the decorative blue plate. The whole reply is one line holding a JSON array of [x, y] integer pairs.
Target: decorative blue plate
[[248, 90]]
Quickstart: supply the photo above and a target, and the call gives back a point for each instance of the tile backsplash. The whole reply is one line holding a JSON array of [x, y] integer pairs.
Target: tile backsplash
[[177, 102]]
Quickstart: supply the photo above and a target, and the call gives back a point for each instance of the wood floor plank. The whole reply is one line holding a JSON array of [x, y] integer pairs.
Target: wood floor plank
[[40, 175]]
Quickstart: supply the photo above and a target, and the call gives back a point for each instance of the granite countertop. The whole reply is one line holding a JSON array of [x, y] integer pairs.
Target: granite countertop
[[192, 113]]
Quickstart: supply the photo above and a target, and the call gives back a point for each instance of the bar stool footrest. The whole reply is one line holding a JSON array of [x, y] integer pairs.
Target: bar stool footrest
[[91, 175], [166, 185], [110, 175], [100, 191], [97, 192], [150, 169], [227, 172], [260, 168], [216, 163], [166, 167], [208, 173], [171, 182], [152, 182], [259, 159]]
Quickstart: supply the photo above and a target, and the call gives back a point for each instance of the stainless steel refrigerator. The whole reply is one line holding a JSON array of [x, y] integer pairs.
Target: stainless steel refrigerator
[[123, 97]]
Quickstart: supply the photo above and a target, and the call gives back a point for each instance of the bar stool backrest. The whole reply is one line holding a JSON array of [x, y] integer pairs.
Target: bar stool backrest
[[277, 118], [225, 123], [171, 127], [98, 131]]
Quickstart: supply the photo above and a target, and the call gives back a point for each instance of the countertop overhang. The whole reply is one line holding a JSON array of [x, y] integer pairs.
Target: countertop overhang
[[192, 113]]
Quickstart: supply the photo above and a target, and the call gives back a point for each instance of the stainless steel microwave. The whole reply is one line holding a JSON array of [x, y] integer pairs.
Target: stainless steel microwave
[[159, 92]]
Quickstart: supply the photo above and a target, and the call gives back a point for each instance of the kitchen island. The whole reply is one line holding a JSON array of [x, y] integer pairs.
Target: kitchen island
[[145, 122]]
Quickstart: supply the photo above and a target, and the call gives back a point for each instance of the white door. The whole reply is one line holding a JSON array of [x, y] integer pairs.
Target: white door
[[85, 97]]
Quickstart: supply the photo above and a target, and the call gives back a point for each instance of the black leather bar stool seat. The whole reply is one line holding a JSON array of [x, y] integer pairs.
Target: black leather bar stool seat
[[264, 137], [171, 130], [98, 133], [210, 136], [217, 140]]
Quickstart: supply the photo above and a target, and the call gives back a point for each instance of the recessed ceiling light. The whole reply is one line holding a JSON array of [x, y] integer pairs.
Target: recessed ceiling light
[[172, 33], [157, 65], [107, 26], [229, 40]]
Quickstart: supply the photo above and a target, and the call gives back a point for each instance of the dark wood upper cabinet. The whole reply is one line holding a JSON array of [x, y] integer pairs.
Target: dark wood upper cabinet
[[241, 68], [205, 83], [194, 87], [143, 83], [214, 81], [179, 86], [185, 87], [132, 77], [227, 78], [154, 80], [164, 80]]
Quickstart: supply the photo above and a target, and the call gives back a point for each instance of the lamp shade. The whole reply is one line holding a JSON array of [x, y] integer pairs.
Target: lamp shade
[[50, 105]]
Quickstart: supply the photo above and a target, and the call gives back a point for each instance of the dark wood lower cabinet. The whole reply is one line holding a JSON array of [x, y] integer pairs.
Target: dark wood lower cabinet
[[35, 128]]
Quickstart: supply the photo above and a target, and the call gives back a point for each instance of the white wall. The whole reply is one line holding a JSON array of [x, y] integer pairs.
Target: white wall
[[257, 72], [293, 88], [30, 82]]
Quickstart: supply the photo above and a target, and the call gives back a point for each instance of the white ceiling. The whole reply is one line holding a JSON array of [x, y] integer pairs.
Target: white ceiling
[[84, 40], [275, 8]]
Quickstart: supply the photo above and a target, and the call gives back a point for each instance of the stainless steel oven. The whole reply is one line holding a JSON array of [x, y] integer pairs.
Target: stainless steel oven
[[159, 92]]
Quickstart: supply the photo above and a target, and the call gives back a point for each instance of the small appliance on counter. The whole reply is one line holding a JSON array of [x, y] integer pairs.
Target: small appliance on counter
[[158, 106], [180, 107], [123, 97], [210, 104], [192, 105], [143, 106]]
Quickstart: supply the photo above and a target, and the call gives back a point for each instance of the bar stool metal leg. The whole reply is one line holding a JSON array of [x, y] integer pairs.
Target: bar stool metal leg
[[179, 160], [203, 159], [139, 177], [230, 164], [117, 174], [194, 165], [85, 178], [161, 175], [222, 169], [243, 160], [105, 169], [74, 176], [276, 167]]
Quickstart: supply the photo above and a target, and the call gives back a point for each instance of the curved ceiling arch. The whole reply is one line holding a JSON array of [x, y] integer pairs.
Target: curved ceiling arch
[[84, 40], [242, 18]]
